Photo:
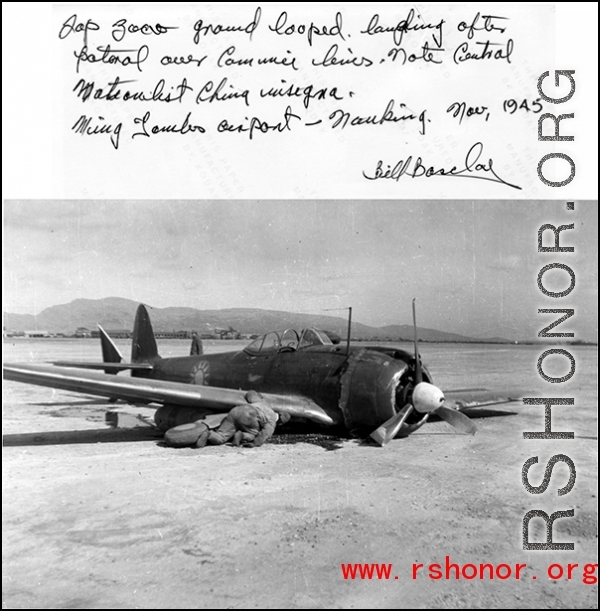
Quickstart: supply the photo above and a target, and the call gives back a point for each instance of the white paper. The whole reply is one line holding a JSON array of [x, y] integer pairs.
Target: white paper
[[300, 215], [301, 161]]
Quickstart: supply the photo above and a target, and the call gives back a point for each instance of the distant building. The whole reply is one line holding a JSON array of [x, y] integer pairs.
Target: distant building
[[37, 333], [114, 333], [125, 334], [83, 332], [172, 334]]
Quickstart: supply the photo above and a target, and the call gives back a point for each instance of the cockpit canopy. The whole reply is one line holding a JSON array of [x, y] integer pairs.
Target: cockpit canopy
[[288, 340]]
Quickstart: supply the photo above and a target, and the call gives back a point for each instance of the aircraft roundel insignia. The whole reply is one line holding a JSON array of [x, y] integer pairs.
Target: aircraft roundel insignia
[[200, 373]]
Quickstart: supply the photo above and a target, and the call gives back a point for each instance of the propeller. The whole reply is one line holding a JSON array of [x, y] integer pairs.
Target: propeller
[[461, 422], [390, 428], [418, 373], [426, 399]]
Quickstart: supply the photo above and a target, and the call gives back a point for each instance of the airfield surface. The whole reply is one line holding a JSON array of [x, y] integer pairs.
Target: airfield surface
[[100, 518]]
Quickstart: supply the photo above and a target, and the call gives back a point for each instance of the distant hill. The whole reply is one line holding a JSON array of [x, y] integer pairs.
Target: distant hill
[[118, 313]]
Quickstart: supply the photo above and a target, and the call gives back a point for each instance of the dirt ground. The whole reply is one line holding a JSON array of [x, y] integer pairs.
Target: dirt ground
[[100, 518]]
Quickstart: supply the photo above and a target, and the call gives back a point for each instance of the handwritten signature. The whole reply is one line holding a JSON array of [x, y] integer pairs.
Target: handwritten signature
[[472, 167]]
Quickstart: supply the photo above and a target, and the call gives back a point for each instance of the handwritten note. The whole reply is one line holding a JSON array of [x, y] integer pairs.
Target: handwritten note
[[395, 100]]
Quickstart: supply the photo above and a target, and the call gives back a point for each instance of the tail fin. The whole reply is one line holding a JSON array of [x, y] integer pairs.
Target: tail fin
[[143, 344], [143, 352], [110, 353]]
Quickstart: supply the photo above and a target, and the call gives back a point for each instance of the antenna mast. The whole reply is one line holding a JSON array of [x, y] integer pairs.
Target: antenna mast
[[349, 325], [349, 330]]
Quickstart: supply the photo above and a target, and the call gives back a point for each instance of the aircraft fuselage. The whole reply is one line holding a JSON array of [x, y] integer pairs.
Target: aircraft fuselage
[[361, 389]]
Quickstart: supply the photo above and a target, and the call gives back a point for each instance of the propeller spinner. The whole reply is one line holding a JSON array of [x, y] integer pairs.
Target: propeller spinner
[[426, 399]]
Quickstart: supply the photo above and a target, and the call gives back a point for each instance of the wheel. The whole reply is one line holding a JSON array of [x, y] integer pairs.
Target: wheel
[[184, 435]]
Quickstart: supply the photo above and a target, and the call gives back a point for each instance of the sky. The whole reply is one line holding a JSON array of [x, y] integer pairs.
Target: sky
[[472, 265]]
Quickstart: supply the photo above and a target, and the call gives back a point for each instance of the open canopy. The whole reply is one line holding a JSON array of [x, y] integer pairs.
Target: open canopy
[[290, 339]]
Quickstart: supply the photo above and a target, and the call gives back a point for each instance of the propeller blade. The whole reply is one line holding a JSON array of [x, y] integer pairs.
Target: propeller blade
[[458, 420], [390, 428], [418, 374]]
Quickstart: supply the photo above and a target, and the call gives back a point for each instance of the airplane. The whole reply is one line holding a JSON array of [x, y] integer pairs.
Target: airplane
[[377, 391]]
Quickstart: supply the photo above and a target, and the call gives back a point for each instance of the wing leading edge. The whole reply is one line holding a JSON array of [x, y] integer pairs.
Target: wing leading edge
[[105, 366], [466, 398], [158, 391]]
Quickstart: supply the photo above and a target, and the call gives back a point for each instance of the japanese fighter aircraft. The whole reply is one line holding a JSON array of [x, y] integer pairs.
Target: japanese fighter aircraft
[[381, 391]]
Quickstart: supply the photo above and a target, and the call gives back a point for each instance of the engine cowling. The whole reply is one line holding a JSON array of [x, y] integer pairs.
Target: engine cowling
[[374, 387]]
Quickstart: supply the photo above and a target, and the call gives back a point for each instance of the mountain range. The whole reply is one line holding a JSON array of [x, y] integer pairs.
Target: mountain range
[[117, 313]]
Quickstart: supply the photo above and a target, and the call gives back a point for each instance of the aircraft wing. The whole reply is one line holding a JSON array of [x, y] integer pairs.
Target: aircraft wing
[[103, 365], [464, 398], [158, 391]]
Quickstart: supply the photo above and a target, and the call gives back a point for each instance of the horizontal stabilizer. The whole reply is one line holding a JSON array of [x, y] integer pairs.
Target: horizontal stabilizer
[[110, 352]]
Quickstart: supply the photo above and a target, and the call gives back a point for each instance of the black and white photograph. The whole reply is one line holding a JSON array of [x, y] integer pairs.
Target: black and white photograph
[[300, 305], [297, 404]]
